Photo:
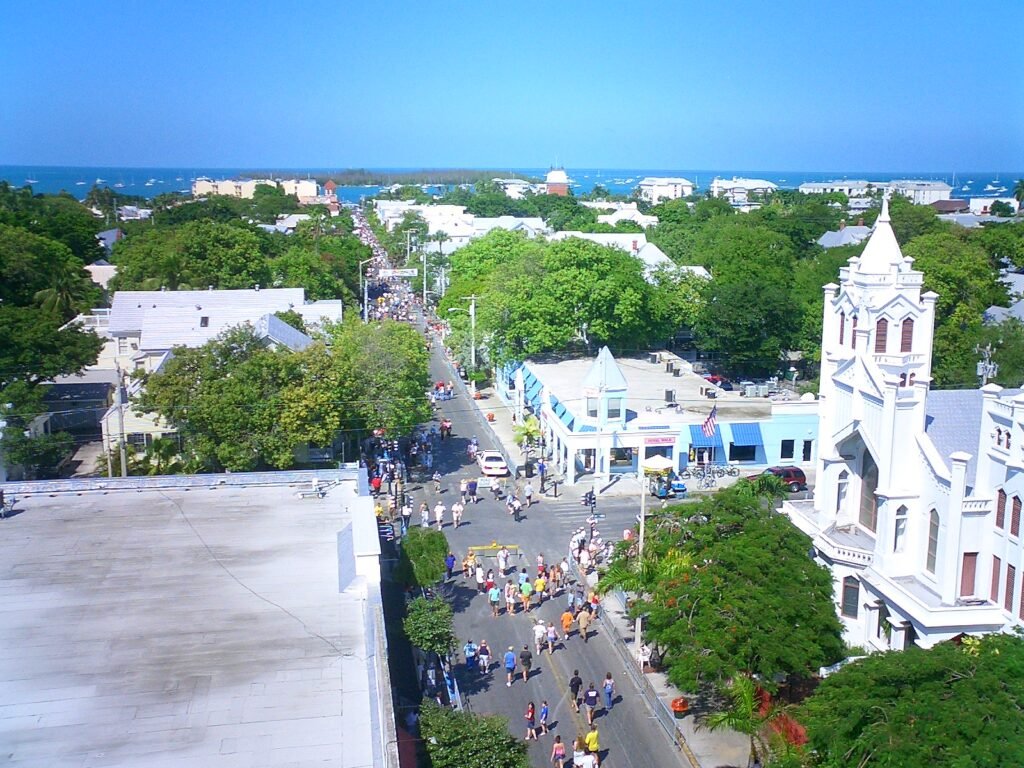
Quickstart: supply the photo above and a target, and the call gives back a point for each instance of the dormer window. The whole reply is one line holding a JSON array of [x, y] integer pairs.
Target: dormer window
[[615, 408], [592, 407], [204, 322]]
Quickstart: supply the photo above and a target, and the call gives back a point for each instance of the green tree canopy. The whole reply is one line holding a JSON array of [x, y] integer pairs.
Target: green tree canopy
[[734, 591], [429, 625], [465, 740], [956, 706]]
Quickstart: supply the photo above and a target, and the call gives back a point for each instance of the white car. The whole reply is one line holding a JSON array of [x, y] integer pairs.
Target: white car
[[492, 463]]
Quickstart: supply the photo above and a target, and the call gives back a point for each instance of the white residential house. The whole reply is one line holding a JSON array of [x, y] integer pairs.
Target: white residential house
[[654, 189], [516, 189], [627, 212], [919, 192], [142, 327], [918, 500], [845, 235], [738, 191], [850, 188], [982, 205]]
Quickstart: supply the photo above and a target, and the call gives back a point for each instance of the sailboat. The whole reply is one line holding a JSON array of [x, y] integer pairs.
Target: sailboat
[[31, 181]]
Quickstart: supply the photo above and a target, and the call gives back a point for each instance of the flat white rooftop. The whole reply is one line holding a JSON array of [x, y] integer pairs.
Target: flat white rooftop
[[180, 628], [646, 384]]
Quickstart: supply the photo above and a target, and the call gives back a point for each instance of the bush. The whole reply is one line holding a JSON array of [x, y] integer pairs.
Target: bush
[[429, 625], [422, 557]]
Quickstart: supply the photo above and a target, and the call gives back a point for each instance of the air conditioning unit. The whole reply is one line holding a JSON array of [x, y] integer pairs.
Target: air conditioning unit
[[670, 395], [653, 358], [677, 372], [668, 367]]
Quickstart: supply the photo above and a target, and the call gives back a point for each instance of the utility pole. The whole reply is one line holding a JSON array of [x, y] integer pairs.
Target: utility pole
[[986, 368], [120, 423]]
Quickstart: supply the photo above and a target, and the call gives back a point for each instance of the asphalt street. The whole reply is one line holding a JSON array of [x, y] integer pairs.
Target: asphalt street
[[629, 736]]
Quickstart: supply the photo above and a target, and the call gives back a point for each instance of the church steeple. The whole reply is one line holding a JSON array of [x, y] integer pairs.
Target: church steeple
[[882, 252]]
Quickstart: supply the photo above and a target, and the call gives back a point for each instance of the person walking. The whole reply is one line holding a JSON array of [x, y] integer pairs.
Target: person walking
[[471, 489], [511, 596], [554, 580], [526, 660], [558, 753], [437, 481], [590, 701], [463, 490], [580, 757], [406, 516], [531, 722], [457, 509], [503, 555], [510, 666], [469, 650], [567, 620], [525, 591], [484, 654], [552, 635], [544, 712], [517, 508], [575, 684], [583, 619], [439, 510], [479, 575], [496, 488], [424, 515], [540, 584], [539, 633], [523, 577], [609, 691], [494, 597], [593, 742], [449, 565], [528, 494]]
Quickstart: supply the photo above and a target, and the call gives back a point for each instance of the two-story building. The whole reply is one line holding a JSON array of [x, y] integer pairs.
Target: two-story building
[[600, 416], [918, 500]]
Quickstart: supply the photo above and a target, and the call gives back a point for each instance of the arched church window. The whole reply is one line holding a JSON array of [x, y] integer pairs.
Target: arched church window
[[903, 379], [881, 335], [933, 540], [907, 335], [999, 436], [900, 530], [868, 486], [844, 484]]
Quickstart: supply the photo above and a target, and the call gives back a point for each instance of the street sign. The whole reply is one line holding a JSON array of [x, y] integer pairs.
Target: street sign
[[397, 272]]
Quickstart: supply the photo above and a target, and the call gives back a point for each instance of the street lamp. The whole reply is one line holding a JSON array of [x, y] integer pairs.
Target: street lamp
[[472, 328]]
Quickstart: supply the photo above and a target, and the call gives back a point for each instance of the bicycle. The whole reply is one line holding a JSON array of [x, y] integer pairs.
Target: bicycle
[[708, 481]]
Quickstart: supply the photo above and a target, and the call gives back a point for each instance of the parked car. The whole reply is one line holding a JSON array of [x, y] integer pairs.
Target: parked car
[[793, 477], [492, 463]]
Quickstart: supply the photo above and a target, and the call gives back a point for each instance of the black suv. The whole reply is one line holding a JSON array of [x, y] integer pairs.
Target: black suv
[[793, 477]]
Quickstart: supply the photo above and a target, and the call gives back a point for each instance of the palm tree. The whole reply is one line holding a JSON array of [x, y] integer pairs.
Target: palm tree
[[743, 715], [1018, 191], [68, 292], [527, 432]]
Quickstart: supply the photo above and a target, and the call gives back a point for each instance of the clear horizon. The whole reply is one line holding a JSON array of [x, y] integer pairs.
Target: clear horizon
[[437, 86]]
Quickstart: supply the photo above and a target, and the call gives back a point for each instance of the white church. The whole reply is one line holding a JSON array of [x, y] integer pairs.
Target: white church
[[917, 509]]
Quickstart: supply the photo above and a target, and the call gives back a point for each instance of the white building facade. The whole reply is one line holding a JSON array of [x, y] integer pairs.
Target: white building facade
[[657, 188], [918, 499]]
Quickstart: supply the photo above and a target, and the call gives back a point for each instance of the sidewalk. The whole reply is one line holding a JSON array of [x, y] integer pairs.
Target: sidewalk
[[703, 748]]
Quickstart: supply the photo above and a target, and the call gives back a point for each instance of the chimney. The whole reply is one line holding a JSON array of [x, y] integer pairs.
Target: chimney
[[635, 249]]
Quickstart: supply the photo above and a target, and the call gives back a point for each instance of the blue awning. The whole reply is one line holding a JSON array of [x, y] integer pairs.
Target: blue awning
[[533, 391], [746, 434], [699, 440]]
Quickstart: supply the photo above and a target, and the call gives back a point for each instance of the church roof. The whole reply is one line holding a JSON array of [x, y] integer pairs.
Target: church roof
[[882, 252], [557, 176], [604, 374], [953, 422]]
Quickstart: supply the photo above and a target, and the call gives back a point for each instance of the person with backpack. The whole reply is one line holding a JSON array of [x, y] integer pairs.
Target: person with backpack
[[609, 691], [469, 650], [526, 660]]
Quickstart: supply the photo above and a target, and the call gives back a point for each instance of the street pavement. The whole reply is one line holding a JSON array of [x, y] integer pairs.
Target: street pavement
[[629, 735]]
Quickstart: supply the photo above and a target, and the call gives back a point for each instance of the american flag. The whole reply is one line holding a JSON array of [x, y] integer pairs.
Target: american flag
[[708, 427]]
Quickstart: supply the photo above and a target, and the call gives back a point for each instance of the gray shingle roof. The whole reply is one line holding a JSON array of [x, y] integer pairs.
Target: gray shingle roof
[[953, 423]]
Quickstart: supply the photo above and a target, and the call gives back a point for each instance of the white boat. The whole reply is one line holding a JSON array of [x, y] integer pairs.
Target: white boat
[[991, 188], [119, 185], [965, 187], [101, 181], [31, 181], [150, 183]]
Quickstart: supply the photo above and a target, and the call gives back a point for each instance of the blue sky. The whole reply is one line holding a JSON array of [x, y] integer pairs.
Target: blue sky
[[871, 86]]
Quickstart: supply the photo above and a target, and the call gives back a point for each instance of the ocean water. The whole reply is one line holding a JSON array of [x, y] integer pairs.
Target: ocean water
[[149, 182]]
